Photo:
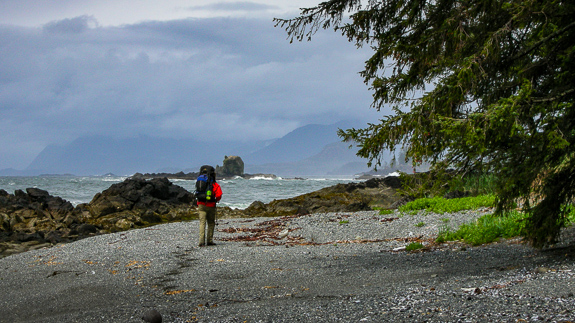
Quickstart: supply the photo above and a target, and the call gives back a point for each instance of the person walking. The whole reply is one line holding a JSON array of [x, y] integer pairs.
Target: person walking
[[208, 194]]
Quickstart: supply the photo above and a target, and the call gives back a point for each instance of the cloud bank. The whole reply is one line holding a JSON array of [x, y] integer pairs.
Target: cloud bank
[[233, 78]]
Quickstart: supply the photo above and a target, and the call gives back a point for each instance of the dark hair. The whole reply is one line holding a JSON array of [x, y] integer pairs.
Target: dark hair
[[208, 170]]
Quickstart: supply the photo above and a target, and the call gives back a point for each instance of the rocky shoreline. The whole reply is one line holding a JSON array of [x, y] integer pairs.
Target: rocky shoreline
[[35, 219]]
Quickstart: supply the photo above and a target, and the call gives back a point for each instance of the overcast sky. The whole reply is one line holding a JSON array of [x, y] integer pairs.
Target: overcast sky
[[171, 68]]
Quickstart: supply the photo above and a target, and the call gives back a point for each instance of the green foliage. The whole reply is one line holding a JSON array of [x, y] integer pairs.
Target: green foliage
[[441, 205], [343, 222], [475, 184], [420, 224], [477, 86], [486, 229], [413, 246], [423, 184], [491, 227], [435, 183], [386, 211], [570, 214]]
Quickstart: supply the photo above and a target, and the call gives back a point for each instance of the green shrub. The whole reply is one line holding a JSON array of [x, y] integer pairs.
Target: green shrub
[[489, 228], [486, 229], [386, 211], [442, 205], [570, 214], [420, 224], [413, 246]]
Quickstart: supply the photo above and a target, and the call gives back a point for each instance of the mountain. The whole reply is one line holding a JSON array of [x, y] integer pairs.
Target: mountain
[[16, 172], [96, 155], [308, 150], [334, 159], [302, 143]]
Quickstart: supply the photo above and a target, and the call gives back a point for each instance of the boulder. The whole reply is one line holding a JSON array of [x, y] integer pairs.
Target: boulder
[[233, 166]]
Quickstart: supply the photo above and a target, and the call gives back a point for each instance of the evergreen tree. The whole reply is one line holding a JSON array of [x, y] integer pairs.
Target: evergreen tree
[[475, 85]]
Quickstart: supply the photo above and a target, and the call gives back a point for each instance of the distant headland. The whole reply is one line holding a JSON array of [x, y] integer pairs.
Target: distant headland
[[233, 167]]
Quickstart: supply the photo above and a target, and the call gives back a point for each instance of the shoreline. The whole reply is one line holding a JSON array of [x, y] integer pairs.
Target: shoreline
[[34, 218], [332, 271]]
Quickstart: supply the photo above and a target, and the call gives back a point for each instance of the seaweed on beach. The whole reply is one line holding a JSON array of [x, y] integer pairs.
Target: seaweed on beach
[[270, 232], [276, 232]]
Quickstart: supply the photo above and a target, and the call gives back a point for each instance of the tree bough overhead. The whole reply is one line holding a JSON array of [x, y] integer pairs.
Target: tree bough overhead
[[476, 85]]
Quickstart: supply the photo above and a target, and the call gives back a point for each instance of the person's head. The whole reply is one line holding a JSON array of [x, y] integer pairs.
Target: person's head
[[208, 170]]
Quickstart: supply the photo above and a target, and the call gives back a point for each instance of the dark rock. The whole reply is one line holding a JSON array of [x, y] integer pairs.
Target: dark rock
[[53, 237], [33, 211], [372, 183], [37, 194], [392, 181], [86, 229], [256, 207], [25, 237], [150, 217], [233, 166], [350, 197], [152, 316], [138, 202], [20, 194], [183, 196], [35, 215]]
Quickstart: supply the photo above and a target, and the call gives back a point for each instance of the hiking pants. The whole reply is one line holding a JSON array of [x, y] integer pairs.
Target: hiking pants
[[207, 214]]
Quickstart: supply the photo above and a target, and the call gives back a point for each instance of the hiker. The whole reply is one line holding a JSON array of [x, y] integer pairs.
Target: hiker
[[208, 193]]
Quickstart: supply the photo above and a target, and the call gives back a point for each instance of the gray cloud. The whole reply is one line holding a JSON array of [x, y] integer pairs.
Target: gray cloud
[[240, 78], [71, 25], [234, 6]]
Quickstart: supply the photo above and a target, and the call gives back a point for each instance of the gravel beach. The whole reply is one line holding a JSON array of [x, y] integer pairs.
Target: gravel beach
[[334, 267]]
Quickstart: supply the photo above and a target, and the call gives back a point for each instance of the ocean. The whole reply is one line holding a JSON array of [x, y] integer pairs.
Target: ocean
[[237, 193]]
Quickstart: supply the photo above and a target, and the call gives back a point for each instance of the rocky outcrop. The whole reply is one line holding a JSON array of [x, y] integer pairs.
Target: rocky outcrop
[[179, 175], [233, 166], [137, 202], [380, 192], [34, 218]]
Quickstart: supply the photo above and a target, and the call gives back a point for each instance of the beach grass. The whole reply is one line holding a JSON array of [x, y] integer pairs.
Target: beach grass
[[486, 229], [442, 205], [414, 246], [490, 228]]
